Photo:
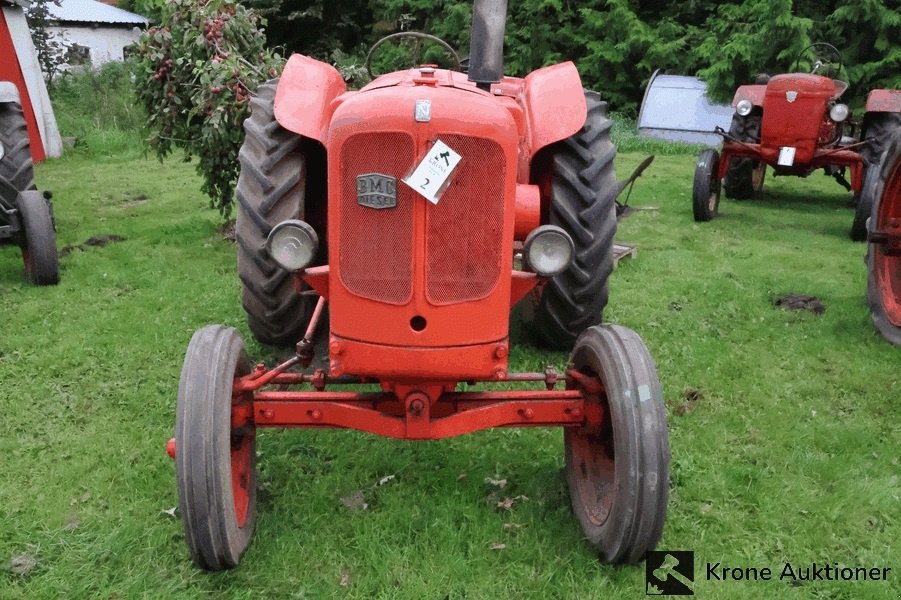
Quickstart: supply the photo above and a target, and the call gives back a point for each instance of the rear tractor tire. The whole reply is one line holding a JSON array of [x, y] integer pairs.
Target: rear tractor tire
[[618, 470], [878, 128], [271, 188], [38, 240], [744, 176], [884, 258], [16, 166], [705, 193], [215, 463], [864, 204], [577, 176]]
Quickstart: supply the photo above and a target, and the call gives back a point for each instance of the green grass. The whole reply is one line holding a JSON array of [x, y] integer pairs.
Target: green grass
[[789, 453], [101, 111]]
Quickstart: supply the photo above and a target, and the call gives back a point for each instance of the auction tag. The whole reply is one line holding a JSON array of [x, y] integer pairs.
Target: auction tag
[[429, 177], [786, 156]]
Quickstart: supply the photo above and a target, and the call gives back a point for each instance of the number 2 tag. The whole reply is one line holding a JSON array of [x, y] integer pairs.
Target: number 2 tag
[[430, 175]]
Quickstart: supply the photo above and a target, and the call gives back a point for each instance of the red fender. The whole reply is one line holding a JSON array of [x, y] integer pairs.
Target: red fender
[[754, 93], [884, 101], [305, 94], [555, 102]]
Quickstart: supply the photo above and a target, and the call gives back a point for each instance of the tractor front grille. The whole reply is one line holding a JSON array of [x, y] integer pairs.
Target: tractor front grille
[[375, 251], [463, 248], [463, 231]]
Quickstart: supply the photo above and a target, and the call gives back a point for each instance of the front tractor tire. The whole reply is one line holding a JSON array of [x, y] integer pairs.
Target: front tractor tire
[[705, 194], [577, 176], [618, 469], [215, 462], [884, 256], [744, 176], [271, 188], [38, 241]]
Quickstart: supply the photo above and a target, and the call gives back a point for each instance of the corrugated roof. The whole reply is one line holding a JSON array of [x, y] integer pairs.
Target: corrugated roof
[[89, 11]]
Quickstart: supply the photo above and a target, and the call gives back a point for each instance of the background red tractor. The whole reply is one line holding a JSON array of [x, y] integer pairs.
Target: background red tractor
[[421, 209], [26, 215], [884, 249], [795, 124]]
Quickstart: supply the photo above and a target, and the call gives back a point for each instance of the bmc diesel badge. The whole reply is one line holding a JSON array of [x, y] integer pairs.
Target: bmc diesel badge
[[791, 96], [375, 190]]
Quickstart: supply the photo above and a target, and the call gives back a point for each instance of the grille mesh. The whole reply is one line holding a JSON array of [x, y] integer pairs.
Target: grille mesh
[[463, 250], [375, 248]]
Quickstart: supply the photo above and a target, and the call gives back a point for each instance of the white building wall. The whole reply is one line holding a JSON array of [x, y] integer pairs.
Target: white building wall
[[105, 43]]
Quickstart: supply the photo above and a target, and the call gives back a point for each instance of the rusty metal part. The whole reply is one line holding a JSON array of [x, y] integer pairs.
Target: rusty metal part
[[486, 47], [305, 346], [429, 411]]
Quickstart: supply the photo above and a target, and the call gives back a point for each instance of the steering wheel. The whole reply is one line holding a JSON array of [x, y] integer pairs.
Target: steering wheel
[[418, 36], [825, 57]]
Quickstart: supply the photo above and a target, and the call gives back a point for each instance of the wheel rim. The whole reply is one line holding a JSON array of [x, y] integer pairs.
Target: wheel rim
[[242, 449], [592, 453], [713, 200], [887, 268]]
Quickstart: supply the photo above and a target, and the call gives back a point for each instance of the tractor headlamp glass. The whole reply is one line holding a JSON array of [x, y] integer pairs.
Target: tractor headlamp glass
[[548, 250], [744, 107], [839, 112], [293, 244]]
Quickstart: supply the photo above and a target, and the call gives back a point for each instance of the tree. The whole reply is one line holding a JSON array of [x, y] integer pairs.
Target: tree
[[198, 70], [51, 49]]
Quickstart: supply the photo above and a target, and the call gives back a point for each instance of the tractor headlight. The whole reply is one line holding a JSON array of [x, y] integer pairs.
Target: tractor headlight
[[548, 250], [293, 244], [839, 112], [744, 107]]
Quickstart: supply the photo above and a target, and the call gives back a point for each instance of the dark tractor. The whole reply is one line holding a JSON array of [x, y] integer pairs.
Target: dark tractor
[[26, 215]]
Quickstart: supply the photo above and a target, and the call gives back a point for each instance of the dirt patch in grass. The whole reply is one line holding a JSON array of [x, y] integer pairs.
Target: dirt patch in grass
[[690, 399], [801, 302], [97, 241], [227, 230]]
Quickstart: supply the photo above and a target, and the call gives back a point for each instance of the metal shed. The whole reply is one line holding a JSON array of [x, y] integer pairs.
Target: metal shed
[[676, 108]]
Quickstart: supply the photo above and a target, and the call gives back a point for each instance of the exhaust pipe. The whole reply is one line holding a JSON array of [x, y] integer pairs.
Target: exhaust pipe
[[486, 46]]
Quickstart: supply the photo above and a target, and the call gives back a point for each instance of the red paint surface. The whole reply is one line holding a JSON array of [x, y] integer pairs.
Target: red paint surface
[[887, 256], [884, 101], [11, 71]]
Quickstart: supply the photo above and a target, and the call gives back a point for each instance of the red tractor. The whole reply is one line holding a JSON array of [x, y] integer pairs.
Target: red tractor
[[26, 215], [884, 249], [795, 124], [421, 209]]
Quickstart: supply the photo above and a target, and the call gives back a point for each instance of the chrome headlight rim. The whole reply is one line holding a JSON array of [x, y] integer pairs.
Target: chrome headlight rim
[[744, 107], [839, 112], [304, 233], [536, 235]]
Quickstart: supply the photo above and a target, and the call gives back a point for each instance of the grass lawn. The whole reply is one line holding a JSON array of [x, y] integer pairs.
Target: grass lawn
[[785, 426]]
